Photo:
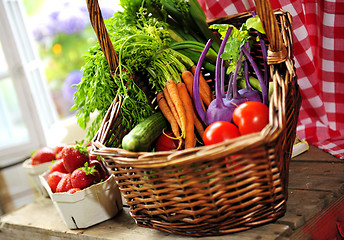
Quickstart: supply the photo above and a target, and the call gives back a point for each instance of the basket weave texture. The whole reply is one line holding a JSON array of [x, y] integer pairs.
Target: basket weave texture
[[212, 190]]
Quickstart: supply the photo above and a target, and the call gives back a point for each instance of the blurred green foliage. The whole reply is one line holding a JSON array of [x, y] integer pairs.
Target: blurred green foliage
[[64, 55]]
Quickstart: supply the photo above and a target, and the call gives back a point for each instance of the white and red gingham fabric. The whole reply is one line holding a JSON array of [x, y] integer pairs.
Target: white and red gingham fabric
[[319, 60]]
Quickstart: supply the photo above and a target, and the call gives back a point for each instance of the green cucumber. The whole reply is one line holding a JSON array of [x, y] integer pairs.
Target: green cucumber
[[142, 136]]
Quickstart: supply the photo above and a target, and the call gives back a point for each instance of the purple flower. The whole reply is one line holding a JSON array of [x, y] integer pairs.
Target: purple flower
[[68, 17], [42, 28], [67, 88], [71, 21]]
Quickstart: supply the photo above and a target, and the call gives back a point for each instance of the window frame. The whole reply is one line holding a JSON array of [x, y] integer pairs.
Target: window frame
[[24, 68]]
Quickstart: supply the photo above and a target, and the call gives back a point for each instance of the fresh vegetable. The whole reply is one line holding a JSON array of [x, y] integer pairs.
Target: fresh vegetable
[[190, 137], [204, 86], [234, 46], [188, 78], [256, 24], [166, 142], [185, 18], [259, 75], [238, 45], [74, 156], [248, 92], [142, 136], [157, 43], [198, 124], [220, 109], [135, 45], [177, 102], [254, 84], [166, 111], [251, 117], [42, 155], [205, 95], [172, 108], [183, 121], [193, 50], [196, 93], [141, 35], [85, 176], [220, 131]]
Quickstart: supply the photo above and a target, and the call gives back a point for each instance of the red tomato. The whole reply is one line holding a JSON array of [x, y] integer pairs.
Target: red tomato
[[166, 142], [251, 117], [220, 131]]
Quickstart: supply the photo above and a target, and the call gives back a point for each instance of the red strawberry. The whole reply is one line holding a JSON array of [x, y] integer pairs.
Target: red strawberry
[[99, 166], [58, 166], [85, 176], [65, 184], [53, 180], [93, 157], [58, 149], [73, 190], [74, 156], [42, 155]]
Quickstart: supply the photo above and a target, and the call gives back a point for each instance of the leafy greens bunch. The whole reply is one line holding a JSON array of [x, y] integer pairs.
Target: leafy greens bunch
[[186, 24], [146, 62], [135, 44]]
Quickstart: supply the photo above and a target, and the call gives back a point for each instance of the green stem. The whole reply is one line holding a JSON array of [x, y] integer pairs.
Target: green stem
[[191, 45]]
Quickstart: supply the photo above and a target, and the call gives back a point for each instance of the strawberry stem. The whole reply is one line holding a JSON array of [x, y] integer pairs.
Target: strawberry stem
[[88, 170]]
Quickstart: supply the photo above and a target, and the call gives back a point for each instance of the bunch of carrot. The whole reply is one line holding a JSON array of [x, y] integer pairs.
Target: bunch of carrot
[[176, 103]]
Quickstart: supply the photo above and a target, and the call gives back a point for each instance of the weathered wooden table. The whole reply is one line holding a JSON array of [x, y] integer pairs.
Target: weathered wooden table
[[316, 181]]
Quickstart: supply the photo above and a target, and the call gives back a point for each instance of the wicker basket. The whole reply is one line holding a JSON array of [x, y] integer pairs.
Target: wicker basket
[[212, 190]]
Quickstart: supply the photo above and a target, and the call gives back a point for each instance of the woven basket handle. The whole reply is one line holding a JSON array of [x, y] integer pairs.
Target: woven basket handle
[[277, 51], [102, 34]]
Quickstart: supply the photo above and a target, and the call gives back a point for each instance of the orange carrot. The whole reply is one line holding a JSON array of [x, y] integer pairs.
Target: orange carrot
[[190, 138], [171, 105], [167, 113], [198, 124], [173, 91], [204, 86], [188, 79]]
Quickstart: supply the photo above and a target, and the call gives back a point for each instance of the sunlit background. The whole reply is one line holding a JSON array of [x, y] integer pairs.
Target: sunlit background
[[42, 44], [63, 33]]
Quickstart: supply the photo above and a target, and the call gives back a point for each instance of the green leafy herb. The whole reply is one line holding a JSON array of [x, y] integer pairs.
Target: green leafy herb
[[141, 36], [255, 23], [237, 38], [135, 47]]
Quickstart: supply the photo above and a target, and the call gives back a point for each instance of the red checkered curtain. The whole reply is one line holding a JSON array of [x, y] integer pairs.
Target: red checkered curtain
[[319, 60]]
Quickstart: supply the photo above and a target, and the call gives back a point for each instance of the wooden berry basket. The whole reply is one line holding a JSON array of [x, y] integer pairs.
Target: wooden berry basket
[[219, 189]]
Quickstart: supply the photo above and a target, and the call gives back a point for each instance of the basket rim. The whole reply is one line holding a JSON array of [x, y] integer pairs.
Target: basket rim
[[168, 158]]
